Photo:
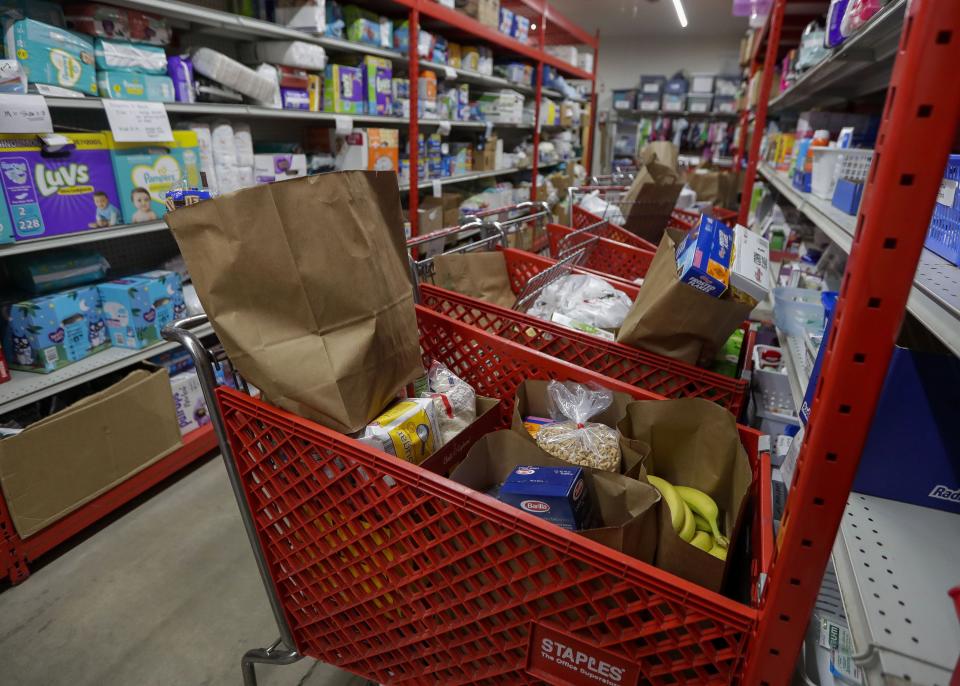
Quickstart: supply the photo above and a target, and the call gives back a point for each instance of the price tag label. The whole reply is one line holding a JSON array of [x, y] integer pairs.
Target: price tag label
[[449, 73], [444, 127], [344, 124], [138, 122], [24, 114], [948, 192], [437, 188]]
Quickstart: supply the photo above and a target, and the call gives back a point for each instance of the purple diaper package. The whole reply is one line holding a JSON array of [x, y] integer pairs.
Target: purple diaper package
[[58, 183], [180, 71], [295, 98]]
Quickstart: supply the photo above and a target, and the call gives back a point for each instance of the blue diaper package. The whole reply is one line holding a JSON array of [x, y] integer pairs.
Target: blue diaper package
[[556, 494], [50, 332], [6, 222], [51, 55], [137, 308], [118, 55], [126, 85], [703, 257], [58, 270]]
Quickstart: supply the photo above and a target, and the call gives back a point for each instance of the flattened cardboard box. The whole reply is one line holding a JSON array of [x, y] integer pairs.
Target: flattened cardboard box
[[69, 458]]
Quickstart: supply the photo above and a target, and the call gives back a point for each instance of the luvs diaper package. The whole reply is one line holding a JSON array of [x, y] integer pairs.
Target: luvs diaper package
[[137, 308], [52, 55], [145, 172], [56, 190], [49, 332]]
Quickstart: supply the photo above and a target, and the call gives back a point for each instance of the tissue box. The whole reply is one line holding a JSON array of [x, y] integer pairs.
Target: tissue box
[[138, 307], [145, 172], [52, 55], [50, 195], [383, 149], [50, 332], [268, 168], [125, 85], [749, 278], [703, 257], [555, 494], [113, 55], [188, 402], [343, 89]]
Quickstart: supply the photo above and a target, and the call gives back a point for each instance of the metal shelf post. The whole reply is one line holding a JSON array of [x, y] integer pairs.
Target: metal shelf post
[[901, 190]]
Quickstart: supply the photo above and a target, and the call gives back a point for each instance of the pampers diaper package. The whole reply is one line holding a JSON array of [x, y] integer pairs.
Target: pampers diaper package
[[52, 55], [145, 172], [50, 191], [137, 308], [50, 332], [127, 85]]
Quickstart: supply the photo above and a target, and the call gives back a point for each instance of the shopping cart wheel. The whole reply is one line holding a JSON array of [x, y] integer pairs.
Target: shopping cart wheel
[[277, 654]]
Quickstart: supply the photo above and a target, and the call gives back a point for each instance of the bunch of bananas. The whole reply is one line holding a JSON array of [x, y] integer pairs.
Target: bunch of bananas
[[693, 515]]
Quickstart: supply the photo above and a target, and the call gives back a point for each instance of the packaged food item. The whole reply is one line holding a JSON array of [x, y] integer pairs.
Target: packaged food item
[[572, 438], [52, 55], [408, 430], [533, 424], [455, 401], [703, 257], [555, 494], [115, 55], [749, 266]]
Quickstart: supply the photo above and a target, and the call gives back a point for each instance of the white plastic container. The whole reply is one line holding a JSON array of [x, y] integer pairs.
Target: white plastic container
[[831, 164], [699, 103], [702, 83], [772, 385]]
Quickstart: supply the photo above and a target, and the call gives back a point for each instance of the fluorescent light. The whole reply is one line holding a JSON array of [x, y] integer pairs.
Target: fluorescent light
[[681, 15], [533, 27]]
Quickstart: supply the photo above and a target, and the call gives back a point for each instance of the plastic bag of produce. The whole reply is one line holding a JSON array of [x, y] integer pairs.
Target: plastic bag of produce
[[574, 439], [583, 298], [594, 204]]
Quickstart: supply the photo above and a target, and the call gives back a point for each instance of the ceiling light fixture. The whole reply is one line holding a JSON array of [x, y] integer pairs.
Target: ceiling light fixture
[[681, 15]]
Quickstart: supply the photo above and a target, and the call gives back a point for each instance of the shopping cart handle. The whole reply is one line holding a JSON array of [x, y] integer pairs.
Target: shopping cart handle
[[177, 331]]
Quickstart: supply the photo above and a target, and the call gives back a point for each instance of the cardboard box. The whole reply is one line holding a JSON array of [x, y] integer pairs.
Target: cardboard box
[[429, 217], [61, 462], [270, 167], [749, 279], [383, 149]]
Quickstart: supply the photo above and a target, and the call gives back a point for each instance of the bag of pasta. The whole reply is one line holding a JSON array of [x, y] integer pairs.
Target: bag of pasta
[[572, 438]]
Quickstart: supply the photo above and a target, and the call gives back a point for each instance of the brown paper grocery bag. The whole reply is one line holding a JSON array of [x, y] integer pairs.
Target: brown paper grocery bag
[[624, 516], [693, 442], [674, 319], [654, 191], [306, 285], [481, 275]]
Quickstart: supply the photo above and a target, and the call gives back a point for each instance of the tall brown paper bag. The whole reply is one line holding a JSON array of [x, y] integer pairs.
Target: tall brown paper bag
[[481, 275], [306, 285], [654, 191], [674, 319]]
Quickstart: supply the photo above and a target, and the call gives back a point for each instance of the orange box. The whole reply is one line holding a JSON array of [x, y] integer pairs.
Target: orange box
[[384, 149]]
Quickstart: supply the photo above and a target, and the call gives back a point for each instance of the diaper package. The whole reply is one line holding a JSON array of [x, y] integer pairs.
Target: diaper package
[[180, 71], [408, 430], [229, 72], [377, 85], [52, 55], [224, 149], [49, 332], [137, 308], [205, 155], [57, 191], [268, 168], [303, 15], [290, 53], [95, 19], [243, 144], [343, 89], [188, 402], [364, 26], [6, 223], [128, 85], [145, 172], [58, 270], [115, 55]]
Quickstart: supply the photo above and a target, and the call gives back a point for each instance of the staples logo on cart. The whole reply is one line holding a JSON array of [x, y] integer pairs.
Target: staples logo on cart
[[563, 660]]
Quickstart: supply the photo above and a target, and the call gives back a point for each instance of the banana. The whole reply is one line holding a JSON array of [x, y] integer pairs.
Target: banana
[[702, 540], [702, 524], [718, 551], [689, 526], [673, 500], [704, 506]]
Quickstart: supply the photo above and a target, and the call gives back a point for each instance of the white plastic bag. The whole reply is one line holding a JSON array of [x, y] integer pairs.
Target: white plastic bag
[[583, 298], [594, 204], [574, 439], [454, 401]]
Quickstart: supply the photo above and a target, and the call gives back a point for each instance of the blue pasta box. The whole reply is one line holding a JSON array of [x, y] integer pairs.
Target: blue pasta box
[[46, 333], [137, 308], [703, 257], [556, 494]]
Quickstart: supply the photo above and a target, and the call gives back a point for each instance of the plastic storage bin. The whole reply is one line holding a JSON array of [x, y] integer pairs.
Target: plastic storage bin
[[677, 86], [772, 386], [846, 196], [702, 83], [652, 85], [625, 99], [943, 237], [798, 311], [699, 102], [674, 103], [725, 104], [648, 103], [726, 85]]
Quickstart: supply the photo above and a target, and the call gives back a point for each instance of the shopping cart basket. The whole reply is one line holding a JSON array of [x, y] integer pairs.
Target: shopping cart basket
[[580, 218], [660, 374], [605, 255], [397, 574], [522, 224]]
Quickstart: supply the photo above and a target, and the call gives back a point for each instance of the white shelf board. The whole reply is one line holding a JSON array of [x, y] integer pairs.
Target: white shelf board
[[895, 563], [463, 178], [27, 387], [87, 236], [935, 297]]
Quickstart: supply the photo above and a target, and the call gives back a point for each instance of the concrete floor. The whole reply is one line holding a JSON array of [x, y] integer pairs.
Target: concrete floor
[[167, 595]]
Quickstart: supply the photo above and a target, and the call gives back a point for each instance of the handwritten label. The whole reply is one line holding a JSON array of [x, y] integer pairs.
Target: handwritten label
[[24, 114], [449, 73], [444, 127], [344, 124], [948, 192], [437, 188], [132, 121]]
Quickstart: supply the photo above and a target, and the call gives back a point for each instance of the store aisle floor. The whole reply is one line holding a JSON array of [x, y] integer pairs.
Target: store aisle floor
[[166, 595]]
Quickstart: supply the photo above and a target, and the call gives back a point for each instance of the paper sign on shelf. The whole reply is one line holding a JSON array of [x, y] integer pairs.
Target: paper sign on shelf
[[449, 73], [344, 124], [948, 192], [132, 121], [24, 114], [444, 127], [437, 188]]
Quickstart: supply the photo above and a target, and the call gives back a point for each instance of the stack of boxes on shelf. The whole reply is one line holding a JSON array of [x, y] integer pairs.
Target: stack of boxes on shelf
[[700, 94]]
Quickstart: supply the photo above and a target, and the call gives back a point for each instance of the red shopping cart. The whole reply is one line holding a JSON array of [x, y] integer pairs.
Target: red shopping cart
[[605, 255], [399, 575], [522, 224]]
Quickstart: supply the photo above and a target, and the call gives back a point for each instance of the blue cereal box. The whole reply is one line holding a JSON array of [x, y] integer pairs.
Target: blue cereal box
[[703, 257], [138, 307], [50, 332], [556, 494]]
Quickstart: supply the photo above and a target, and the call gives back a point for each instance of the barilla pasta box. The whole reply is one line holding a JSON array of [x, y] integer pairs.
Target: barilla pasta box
[[556, 494], [703, 257], [137, 308], [58, 183], [145, 172], [49, 332], [51, 55]]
